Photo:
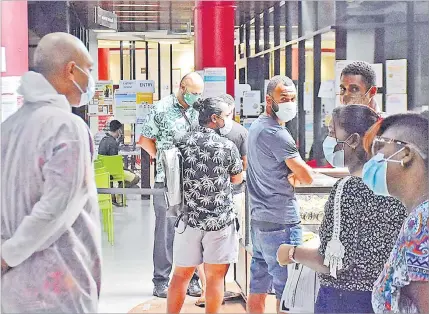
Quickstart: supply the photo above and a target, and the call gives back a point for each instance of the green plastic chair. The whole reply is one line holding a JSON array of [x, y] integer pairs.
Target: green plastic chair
[[102, 180], [115, 166], [100, 171], [98, 164]]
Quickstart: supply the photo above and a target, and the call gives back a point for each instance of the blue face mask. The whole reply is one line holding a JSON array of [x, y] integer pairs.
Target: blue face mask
[[335, 158], [374, 173]]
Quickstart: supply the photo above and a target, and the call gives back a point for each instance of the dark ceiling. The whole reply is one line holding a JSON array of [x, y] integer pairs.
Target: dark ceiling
[[174, 16], [177, 16]]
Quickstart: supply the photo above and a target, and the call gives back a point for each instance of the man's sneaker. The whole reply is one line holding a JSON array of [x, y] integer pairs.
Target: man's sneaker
[[194, 289], [160, 291]]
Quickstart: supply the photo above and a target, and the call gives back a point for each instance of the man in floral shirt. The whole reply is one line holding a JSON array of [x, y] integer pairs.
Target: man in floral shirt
[[171, 118], [207, 232]]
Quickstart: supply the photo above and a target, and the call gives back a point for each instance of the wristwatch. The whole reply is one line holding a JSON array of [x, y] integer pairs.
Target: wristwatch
[[292, 254]]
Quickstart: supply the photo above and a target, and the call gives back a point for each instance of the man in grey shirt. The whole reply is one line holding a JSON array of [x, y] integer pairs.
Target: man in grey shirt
[[275, 167], [237, 134]]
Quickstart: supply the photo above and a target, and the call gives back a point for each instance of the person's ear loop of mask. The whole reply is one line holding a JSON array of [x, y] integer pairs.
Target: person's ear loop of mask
[[335, 157], [190, 98], [285, 111], [361, 97], [374, 173], [85, 96], [227, 125]]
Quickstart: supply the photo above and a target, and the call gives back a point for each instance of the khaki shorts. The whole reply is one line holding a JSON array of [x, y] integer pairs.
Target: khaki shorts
[[194, 246]]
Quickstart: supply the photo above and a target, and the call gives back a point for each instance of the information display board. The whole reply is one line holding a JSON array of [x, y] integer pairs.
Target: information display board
[[125, 107], [252, 103], [214, 82]]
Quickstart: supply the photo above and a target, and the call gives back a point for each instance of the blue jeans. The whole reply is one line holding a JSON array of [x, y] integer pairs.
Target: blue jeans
[[265, 272], [331, 300]]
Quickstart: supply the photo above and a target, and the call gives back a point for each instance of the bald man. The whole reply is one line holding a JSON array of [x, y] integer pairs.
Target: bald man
[[50, 231], [170, 119]]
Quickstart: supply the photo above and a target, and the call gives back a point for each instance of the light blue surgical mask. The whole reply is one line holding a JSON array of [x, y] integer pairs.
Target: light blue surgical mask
[[374, 173], [87, 96], [335, 158]]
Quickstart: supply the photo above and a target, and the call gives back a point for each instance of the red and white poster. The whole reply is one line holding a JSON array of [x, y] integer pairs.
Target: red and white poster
[[103, 123]]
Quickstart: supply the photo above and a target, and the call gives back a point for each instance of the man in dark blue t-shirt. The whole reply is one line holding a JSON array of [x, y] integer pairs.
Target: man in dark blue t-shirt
[[274, 168]]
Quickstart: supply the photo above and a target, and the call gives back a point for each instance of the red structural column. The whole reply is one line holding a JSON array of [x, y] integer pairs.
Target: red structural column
[[103, 64], [14, 36], [214, 37]]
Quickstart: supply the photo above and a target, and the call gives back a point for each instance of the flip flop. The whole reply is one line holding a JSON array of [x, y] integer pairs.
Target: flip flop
[[201, 302]]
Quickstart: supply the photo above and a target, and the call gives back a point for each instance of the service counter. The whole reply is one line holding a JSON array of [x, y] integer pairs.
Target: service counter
[[311, 199]]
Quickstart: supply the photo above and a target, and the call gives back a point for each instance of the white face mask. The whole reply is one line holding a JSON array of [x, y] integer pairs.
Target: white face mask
[[227, 127], [287, 111], [87, 96]]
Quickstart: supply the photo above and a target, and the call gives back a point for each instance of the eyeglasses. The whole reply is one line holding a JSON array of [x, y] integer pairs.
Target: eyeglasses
[[380, 142]]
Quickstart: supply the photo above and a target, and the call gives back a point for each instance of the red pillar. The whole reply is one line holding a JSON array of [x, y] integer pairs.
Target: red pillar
[[14, 36], [103, 64], [214, 37]]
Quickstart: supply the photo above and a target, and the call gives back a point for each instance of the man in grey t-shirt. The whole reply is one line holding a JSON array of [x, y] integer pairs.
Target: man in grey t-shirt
[[237, 134], [275, 166]]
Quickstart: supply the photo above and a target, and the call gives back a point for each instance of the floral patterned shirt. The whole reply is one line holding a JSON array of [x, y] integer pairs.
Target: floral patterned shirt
[[165, 124], [209, 162], [409, 261], [370, 224]]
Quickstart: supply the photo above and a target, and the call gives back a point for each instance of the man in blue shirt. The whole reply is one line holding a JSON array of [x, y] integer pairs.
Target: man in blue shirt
[[274, 168]]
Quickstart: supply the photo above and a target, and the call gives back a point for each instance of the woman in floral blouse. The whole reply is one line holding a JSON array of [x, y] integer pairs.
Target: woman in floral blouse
[[369, 223], [399, 167]]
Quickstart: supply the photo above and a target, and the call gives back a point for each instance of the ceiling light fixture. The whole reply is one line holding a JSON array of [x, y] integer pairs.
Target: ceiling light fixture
[[128, 11], [134, 5], [142, 22], [104, 30], [166, 42], [139, 16]]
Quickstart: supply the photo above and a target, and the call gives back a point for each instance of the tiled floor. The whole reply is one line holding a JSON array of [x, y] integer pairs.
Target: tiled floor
[[127, 266]]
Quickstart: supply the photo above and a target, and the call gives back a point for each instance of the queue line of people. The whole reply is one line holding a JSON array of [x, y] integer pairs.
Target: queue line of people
[[370, 220], [51, 235]]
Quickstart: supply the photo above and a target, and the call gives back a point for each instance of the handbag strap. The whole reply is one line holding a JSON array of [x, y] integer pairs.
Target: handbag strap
[[334, 252]]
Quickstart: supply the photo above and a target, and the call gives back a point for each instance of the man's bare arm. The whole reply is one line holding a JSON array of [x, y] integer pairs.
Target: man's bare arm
[[148, 145], [237, 179], [244, 160], [300, 169]]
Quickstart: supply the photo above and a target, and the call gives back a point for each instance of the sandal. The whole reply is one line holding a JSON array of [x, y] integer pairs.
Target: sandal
[[201, 302]]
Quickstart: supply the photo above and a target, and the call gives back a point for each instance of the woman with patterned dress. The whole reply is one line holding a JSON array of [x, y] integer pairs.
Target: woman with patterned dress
[[399, 167], [369, 223]]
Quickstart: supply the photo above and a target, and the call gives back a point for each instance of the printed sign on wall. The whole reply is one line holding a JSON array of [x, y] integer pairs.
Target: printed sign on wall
[[214, 82]]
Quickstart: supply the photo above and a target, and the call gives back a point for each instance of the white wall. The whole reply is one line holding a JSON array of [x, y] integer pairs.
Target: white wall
[[165, 70], [183, 62], [93, 51], [361, 45]]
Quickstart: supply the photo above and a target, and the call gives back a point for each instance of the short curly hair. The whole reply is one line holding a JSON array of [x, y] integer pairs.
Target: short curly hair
[[363, 69], [276, 80]]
